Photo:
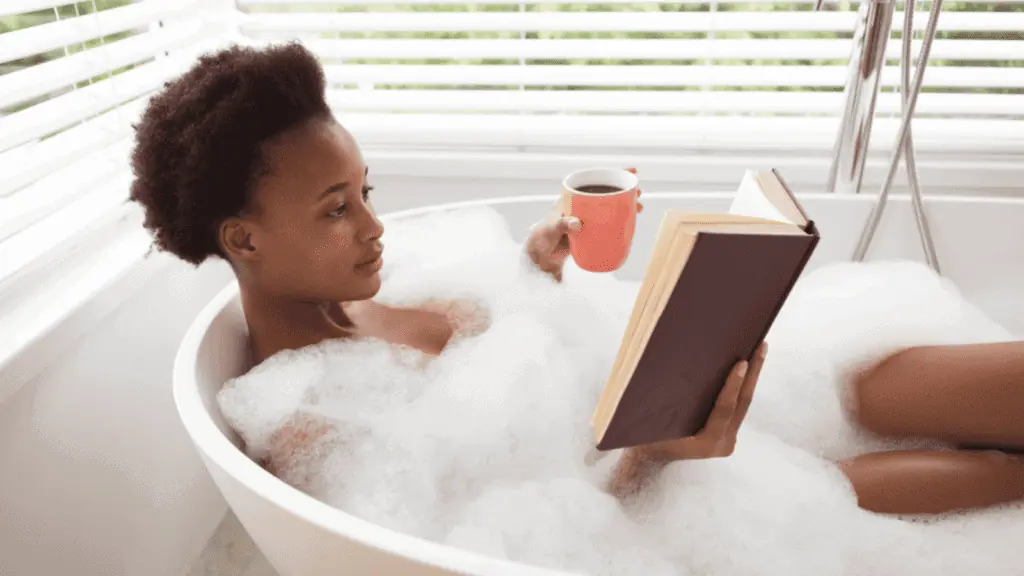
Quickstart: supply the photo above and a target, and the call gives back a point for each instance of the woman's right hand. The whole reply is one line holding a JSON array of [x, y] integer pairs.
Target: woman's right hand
[[716, 440], [718, 437]]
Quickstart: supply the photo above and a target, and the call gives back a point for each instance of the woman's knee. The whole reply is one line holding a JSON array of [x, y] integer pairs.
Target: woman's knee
[[959, 394], [876, 395]]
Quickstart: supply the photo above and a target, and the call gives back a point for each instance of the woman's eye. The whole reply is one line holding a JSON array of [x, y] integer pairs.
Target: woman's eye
[[340, 210]]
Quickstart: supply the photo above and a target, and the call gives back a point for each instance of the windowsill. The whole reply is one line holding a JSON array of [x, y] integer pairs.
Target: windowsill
[[715, 135], [943, 173]]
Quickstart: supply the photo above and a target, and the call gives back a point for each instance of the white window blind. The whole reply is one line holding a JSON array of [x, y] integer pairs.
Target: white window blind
[[73, 79], [690, 74], [717, 75]]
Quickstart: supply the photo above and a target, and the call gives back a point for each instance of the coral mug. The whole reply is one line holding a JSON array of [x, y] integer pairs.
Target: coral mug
[[604, 199]]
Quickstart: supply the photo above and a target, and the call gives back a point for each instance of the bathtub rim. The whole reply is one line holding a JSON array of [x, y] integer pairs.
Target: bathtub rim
[[214, 445]]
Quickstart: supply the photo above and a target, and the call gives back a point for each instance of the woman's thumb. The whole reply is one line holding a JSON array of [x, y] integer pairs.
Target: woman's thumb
[[569, 224]]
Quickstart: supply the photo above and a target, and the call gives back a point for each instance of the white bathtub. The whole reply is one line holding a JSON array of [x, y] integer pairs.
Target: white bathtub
[[980, 243]]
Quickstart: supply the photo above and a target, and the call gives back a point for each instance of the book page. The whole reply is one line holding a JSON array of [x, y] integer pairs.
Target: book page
[[665, 279], [751, 201], [666, 238]]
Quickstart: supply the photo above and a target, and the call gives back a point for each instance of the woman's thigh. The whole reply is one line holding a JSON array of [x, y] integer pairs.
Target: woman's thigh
[[968, 395]]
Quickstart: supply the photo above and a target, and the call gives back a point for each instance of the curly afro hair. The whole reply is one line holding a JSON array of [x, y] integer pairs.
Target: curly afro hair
[[198, 145]]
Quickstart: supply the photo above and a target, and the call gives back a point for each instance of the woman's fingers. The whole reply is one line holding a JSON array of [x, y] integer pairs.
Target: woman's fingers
[[746, 395], [639, 205], [567, 224], [554, 230], [552, 239], [727, 402], [717, 438]]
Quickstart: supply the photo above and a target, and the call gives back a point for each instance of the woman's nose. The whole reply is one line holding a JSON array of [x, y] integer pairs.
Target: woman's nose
[[372, 227]]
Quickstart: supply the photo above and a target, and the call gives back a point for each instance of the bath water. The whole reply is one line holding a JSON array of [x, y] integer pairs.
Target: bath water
[[488, 447]]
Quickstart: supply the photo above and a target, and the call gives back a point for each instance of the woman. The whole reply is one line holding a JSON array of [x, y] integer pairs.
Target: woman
[[241, 158]]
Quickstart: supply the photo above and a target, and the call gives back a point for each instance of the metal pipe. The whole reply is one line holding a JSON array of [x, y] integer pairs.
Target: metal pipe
[[910, 158], [908, 113], [867, 59]]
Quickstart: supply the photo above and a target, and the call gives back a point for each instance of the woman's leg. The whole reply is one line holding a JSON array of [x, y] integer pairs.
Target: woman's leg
[[968, 395], [920, 482]]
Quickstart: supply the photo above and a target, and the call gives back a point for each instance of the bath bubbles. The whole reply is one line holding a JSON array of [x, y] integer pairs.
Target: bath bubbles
[[558, 523], [840, 320], [488, 447]]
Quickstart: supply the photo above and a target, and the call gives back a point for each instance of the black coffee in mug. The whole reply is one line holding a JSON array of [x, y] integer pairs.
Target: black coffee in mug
[[599, 189]]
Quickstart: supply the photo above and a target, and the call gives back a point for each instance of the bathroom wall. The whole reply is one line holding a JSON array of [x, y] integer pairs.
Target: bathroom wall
[[96, 475]]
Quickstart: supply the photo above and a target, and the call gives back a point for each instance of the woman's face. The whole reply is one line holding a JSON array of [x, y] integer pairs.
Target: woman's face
[[313, 231]]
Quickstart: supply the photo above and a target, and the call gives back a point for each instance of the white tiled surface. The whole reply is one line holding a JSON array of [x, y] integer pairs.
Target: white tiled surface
[[231, 553]]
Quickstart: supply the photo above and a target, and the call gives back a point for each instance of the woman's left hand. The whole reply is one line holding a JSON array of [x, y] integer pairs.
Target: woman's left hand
[[548, 243]]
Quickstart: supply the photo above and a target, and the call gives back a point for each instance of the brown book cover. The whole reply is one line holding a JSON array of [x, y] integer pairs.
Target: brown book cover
[[712, 290]]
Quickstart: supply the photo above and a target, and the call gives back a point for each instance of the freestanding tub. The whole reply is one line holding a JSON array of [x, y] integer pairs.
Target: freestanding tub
[[980, 243]]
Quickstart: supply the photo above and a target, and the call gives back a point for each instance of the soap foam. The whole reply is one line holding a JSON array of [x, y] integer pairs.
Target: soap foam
[[488, 447], [841, 320]]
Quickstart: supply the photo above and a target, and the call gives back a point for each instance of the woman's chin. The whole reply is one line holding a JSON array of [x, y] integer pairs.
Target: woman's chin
[[367, 287]]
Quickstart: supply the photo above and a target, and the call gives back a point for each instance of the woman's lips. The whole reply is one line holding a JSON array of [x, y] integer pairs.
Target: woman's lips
[[372, 265]]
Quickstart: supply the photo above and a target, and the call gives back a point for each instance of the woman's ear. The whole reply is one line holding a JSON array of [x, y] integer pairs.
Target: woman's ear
[[236, 237]]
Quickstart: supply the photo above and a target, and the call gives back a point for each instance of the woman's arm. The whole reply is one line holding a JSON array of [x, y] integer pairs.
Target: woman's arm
[[303, 438], [716, 440]]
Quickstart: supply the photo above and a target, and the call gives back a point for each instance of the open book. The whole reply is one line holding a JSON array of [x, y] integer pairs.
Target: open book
[[712, 288]]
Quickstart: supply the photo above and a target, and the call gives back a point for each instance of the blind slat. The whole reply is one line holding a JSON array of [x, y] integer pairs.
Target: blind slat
[[597, 49], [695, 22], [705, 133], [65, 110], [662, 76], [53, 35], [61, 186], [24, 165], [278, 3], [71, 220], [42, 79], [659, 101]]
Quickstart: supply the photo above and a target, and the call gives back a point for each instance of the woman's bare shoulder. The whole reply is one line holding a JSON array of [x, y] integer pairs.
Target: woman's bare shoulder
[[467, 317]]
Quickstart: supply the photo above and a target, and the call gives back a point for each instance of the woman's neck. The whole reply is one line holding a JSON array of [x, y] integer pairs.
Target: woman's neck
[[279, 323]]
